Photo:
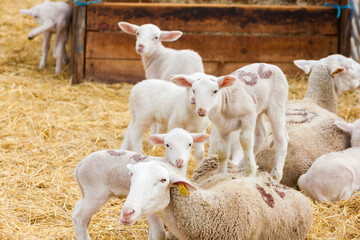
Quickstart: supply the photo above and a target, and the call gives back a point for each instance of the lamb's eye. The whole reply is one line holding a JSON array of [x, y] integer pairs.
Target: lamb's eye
[[156, 38], [167, 145], [163, 180], [137, 34], [189, 144], [215, 91], [193, 91]]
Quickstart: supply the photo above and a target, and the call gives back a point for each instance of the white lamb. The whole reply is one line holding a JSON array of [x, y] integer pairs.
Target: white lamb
[[157, 101], [231, 207], [335, 176], [160, 62], [103, 174], [238, 101], [310, 121], [53, 17]]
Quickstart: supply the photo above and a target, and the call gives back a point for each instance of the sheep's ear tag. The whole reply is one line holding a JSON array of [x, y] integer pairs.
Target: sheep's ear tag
[[338, 70], [183, 191]]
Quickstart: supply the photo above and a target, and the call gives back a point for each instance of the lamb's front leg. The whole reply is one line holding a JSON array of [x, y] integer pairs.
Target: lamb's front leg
[[47, 26], [247, 138], [199, 152], [219, 144], [45, 49]]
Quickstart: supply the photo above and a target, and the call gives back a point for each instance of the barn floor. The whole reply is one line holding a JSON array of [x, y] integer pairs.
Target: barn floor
[[48, 126]]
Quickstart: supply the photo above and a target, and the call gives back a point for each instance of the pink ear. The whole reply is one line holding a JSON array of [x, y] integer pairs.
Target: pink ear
[[181, 81], [305, 65], [200, 137], [156, 139], [170, 36], [128, 27], [226, 81]]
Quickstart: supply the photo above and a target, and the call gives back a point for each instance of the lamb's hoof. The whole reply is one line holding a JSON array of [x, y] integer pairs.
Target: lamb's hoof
[[276, 175], [30, 37]]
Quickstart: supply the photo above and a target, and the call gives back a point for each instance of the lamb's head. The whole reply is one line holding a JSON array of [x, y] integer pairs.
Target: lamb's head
[[38, 12], [150, 190], [178, 143], [345, 71], [353, 129], [148, 36], [205, 89]]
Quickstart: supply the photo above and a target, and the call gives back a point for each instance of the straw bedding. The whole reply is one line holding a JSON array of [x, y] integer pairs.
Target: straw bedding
[[48, 126]]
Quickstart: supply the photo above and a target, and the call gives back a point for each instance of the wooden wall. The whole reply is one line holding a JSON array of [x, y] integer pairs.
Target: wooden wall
[[226, 36]]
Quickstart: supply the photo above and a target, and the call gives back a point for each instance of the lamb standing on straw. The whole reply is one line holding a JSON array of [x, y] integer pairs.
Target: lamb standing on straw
[[53, 17]]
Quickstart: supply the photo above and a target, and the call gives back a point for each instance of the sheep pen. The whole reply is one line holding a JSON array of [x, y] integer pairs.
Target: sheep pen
[[49, 125]]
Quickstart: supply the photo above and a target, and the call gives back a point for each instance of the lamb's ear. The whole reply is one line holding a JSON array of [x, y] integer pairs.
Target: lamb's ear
[[346, 127], [128, 27], [305, 65], [26, 11], [226, 81], [170, 36], [185, 185], [199, 137], [183, 80], [156, 139]]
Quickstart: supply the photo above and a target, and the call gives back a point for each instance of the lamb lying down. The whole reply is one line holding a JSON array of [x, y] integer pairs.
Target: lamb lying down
[[335, 176], [53, 17], [103, 174], [229, 207]]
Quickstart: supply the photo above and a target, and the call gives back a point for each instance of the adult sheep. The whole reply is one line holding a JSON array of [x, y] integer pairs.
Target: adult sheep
[[310, 121], [231, 207]]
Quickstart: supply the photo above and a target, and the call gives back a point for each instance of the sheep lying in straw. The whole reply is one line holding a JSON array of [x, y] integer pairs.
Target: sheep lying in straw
[[310, 121], [103, 174], [335, 176], [230, 207], [53, 17]]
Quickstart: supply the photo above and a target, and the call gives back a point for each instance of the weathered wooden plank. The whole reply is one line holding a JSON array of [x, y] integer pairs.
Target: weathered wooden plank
[[77, 40], [131, 71], [216, 18], [226, 48]]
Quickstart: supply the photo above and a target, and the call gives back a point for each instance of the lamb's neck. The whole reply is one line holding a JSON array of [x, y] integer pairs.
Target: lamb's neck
[[170, 221], [222, 103], [149, 60], [322, 91]]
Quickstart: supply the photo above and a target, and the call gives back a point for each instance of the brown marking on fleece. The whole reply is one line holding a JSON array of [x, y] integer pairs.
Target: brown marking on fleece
[[138, 157], [242, 75], [303, 115], [264, 75], [115, 153], [269, 200], [250, 78]]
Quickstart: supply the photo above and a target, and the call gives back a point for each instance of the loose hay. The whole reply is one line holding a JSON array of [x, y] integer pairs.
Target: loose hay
[[49, 125]]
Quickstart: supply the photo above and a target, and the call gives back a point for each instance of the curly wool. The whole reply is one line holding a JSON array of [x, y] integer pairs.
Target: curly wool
[[243, 208], [312, 133]]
